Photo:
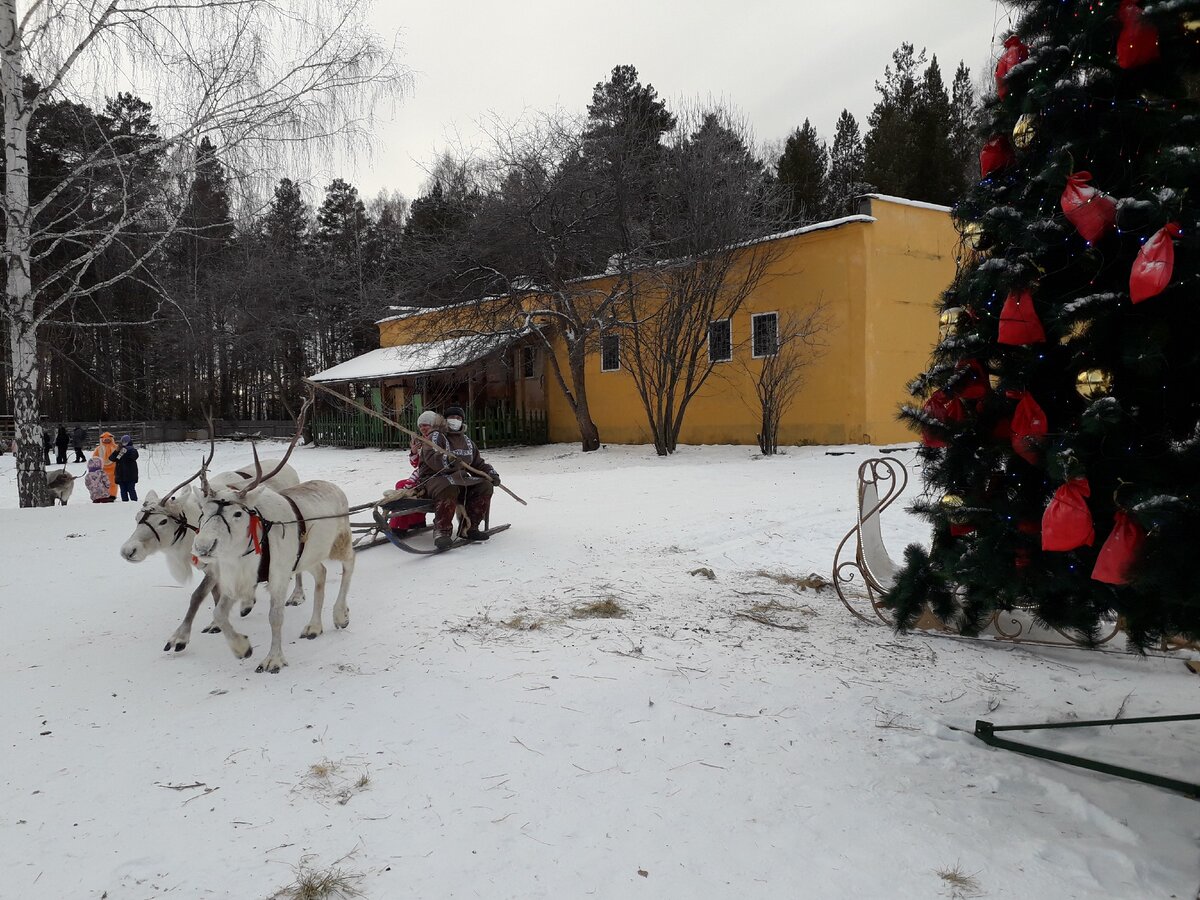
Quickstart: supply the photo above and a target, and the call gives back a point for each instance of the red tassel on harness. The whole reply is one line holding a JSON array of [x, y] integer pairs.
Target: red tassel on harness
[[255, 528]]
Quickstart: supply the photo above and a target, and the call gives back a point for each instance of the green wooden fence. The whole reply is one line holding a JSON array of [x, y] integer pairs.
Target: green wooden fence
[[500, 427]]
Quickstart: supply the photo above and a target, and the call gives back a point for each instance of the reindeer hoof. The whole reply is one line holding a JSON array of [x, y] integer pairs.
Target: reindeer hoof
[[246, 655], [272, 665], [180, 645], [245, 611], [167, 647], [211, 628], [294, 601]]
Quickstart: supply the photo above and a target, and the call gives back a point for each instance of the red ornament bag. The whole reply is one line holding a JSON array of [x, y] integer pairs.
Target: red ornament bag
[[1092, 212], [1028, 429], [945, 409], [970, 380], [1067, 522], [1120, 549], [1137, 44], [996, 154], [1014, 52], [1019, 322], [1154, 264]]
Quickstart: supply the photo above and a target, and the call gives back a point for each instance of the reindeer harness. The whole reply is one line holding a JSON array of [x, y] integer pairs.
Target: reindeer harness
[[181, 526], [259, 532]]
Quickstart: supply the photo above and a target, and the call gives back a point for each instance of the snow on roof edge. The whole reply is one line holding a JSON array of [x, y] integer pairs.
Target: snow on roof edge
[[779, 235], [904, 201]]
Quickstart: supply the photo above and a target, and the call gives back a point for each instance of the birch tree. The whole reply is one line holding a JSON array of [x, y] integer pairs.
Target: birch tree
[[262, 80]]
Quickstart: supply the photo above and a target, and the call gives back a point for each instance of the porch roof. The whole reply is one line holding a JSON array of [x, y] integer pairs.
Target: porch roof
[[412, 359]]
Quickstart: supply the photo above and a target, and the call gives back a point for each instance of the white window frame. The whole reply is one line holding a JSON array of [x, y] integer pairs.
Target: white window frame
[[529, 352], [610, 337], [753, 319], [728, 358]]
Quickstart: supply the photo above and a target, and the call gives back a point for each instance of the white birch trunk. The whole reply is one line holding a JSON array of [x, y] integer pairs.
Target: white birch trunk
[[18, 288]]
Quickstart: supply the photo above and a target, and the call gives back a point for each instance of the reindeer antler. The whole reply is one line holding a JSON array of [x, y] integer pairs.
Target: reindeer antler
[[259, 477], [203, 473]]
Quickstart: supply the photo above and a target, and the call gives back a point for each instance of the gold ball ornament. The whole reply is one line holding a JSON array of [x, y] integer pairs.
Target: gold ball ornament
[[952, 505], [1093, 383], [948, 320], [1024, 131], [994, 381], [972, 234]]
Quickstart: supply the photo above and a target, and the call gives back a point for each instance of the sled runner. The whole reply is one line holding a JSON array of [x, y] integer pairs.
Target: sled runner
[[372, 534]]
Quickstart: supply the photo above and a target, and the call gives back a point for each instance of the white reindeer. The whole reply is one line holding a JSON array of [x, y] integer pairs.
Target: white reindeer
[[168, 525], [256, 534]]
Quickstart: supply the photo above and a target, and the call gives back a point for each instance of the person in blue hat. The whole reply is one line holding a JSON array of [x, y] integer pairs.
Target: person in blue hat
[[125, 457]]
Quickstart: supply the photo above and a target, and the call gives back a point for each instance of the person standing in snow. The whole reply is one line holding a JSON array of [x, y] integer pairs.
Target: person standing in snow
[[47, 443], [426, 423], [104, 451], [97, 482], [61, 441], [444, 479], [78, 439], [126, 468]]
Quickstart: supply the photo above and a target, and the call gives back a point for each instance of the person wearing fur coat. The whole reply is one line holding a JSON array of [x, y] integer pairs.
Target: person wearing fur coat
[[445, 480], [104, 451]]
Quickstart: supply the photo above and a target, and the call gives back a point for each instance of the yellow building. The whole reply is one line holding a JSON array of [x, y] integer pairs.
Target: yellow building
[[877, 275]]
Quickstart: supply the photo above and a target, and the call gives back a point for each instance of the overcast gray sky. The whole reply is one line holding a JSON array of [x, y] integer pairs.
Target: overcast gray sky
[[778, 61]]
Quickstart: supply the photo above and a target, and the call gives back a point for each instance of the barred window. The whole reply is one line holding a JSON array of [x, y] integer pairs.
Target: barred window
[[529, 362], [765, 329], [610, 353], [720, 341]]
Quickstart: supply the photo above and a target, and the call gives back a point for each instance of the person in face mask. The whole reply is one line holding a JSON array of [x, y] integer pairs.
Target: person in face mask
[[447, 483]]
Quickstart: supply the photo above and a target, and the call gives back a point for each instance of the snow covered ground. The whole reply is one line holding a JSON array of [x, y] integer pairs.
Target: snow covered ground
[[468, 737]]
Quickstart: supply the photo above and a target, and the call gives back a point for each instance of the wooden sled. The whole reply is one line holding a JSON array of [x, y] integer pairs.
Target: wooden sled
[[372, 534]]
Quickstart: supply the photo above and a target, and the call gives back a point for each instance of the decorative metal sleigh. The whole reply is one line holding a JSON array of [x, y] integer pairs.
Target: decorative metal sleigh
[[862, 581]]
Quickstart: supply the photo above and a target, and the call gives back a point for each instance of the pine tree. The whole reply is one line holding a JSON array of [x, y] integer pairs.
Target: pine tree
[[285, 226], [621, 147], [891, 142], [964, 121], [801, 170], [339, 239], [845, 180], [1060, 413], [934, 177]]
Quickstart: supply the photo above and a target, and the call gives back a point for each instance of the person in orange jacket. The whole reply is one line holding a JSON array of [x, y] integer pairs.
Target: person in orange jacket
[[104, 450]]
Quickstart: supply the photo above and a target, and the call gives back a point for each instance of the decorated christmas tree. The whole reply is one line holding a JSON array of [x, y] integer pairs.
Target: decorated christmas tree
[[1060, 415]]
